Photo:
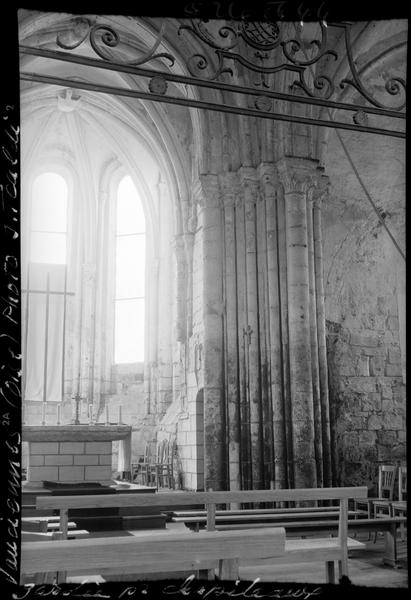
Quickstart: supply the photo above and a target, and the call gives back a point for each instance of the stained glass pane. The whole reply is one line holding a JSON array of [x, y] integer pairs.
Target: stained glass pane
[[129, 331], [130, 214], [49, 203]]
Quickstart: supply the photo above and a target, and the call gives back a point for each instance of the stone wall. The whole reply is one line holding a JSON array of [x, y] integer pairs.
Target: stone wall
[[365, 353]]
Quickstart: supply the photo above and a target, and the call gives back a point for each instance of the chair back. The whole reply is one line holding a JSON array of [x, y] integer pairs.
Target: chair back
[[386, 481], [148, 453], [402, 483], [161, 452]]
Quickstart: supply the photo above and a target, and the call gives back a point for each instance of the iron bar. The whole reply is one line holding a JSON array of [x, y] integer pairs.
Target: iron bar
[[115, 66], [64, 332], [46, 335], [26, 334], [205, 105], [80, 331], [51, 293]]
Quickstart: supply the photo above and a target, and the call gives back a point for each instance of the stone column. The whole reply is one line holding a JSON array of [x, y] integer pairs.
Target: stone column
[[242, 340], [269, 185], [321, 194], [228, 188], [314, 341], [284, 337], [209, 216], [264, 344], [296, 175], [180, 322], [250, 192]]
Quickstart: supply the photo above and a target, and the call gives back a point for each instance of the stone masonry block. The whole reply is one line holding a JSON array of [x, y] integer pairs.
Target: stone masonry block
[[387, 438], [377, 364], [98, 473], [71, 447], [371, 402], [363, 366], [365, 385], [104, 459], [374, 422], [59, 459], [71, 473], [393, 370], [367, 438], [36, 460], [43, 447], [86, 459], [43, 473], [394, 357], [391, 421], [359, 339], [98, 447], [393, 323]]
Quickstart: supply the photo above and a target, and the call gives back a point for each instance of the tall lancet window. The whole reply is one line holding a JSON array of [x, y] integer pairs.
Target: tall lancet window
[[44, 289], [130, 275]]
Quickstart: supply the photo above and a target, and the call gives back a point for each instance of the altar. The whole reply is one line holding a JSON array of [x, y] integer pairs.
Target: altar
[[75, 453]]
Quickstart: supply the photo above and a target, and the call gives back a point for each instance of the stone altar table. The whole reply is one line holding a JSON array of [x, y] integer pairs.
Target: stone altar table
[[75, 453]]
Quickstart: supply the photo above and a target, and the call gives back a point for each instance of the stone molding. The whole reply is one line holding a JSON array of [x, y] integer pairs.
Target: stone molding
[[297, 174]]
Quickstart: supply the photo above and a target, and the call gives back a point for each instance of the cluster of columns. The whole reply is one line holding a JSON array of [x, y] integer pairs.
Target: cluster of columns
[[266, 411]]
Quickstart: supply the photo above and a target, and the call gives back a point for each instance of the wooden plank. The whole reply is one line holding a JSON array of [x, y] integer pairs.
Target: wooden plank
[[31, 536], [220, 518], [56, 525], [34, 525], [100, 553], [181, 498], [307, 550], [257, 511]]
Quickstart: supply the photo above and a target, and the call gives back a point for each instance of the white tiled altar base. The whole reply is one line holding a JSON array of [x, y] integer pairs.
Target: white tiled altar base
[[69, 462]]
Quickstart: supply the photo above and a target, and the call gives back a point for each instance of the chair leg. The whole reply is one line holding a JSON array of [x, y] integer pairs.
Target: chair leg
[[330, 571]]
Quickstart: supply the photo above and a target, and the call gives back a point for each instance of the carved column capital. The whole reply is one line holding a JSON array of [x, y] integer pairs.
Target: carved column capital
[[296, 174], [206, 191], [321, 190], [249, 184], [230, 189]]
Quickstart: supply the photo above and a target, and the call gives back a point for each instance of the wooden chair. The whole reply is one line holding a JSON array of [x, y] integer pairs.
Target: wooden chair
[[386, 481], [160, 472], [142, 469], [167, 465], [399, 508]]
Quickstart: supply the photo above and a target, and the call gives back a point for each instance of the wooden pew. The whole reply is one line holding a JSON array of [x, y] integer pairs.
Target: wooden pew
[[156, 552], [337, 547], [388, 526]]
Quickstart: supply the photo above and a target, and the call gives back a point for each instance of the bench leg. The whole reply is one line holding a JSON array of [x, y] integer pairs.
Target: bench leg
[[390, 547], [330, 571], [228, 569]]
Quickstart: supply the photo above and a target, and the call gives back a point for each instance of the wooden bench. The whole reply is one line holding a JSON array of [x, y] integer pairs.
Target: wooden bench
[[154, 552], [326, 549], [388, 526], [196, 521], [299, 521]]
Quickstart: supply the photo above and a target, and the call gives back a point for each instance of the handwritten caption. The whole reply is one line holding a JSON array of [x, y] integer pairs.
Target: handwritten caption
[[270, 10], [10, 361], [191, 588]]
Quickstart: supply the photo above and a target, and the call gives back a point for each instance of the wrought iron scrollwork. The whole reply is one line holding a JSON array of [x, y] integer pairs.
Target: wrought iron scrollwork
[[394, 86], [264, 40], [266, 49], [102, 37]]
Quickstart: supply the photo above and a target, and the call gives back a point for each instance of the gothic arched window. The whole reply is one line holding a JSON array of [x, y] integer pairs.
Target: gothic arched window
[[130, 275], [45, 287]]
